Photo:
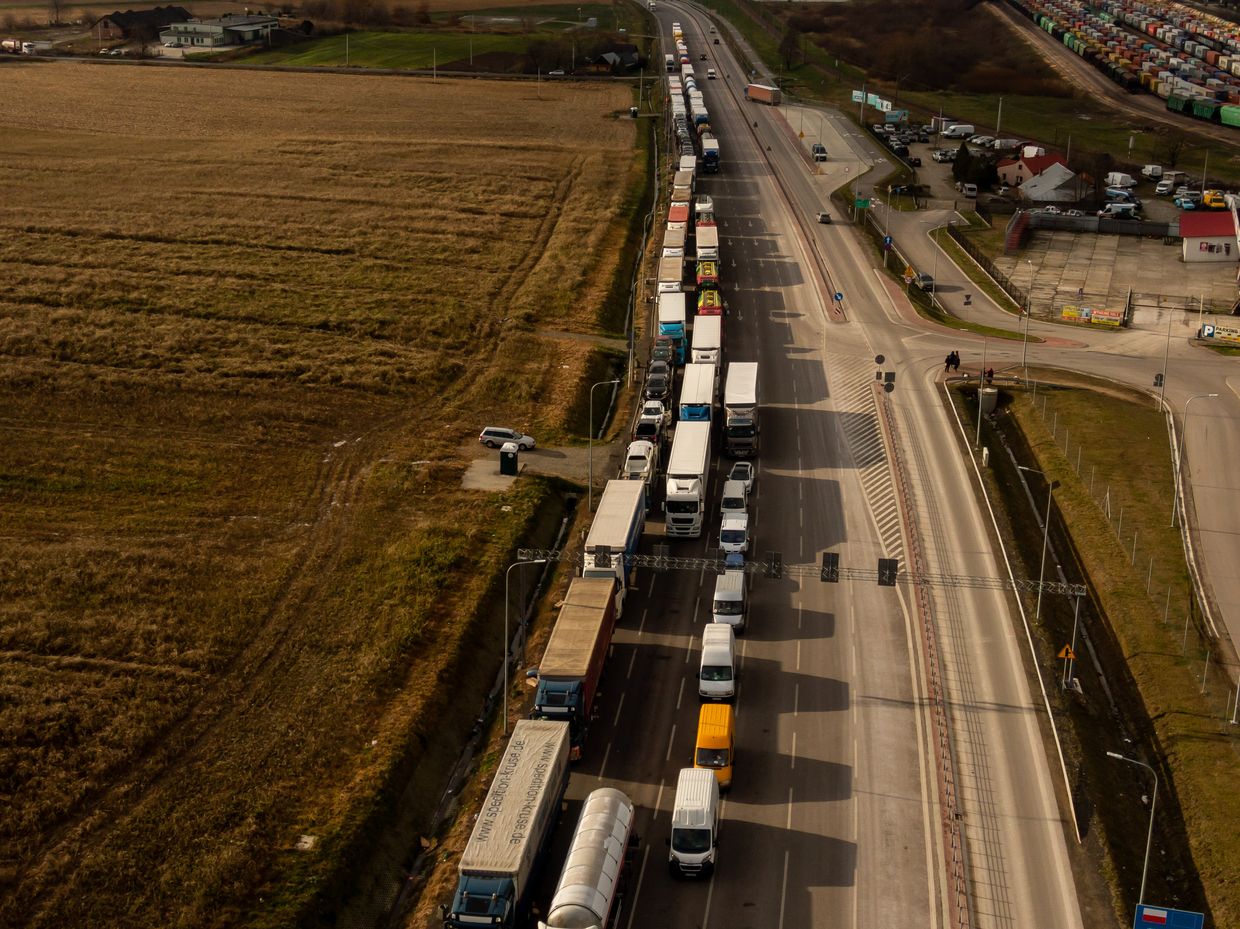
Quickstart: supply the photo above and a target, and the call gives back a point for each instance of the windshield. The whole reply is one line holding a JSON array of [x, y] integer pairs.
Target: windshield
[[732, 503], [729, 608], [691, 841], [741, 432], [682, 507], [735, 536], [716, 672], [712, 758]]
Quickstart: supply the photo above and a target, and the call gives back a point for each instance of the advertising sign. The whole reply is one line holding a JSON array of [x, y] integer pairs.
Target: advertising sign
[[1220, 333]]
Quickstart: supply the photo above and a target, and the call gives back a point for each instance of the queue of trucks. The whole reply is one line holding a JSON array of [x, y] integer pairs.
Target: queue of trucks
[[499, 866]]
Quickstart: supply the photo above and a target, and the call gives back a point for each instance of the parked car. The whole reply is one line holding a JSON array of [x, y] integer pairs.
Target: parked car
[[900, 150], [943, 154], [1185, 203], [495, 436], [743, 471], [658, 387], [1074, 213], [924, 282], [1164, 187], [1052, 211], [819, 151], [914, 161]]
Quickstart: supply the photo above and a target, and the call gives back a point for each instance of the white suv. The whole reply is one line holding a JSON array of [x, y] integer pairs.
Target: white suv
[[495, 436]]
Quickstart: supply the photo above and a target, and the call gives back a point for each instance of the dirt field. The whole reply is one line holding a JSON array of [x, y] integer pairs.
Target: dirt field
[[248, 320]]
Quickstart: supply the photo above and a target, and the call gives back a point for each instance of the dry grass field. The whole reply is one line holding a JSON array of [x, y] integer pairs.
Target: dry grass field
[[247, 322]]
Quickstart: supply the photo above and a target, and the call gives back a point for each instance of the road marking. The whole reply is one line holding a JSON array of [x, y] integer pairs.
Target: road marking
[[710, 892], [697, 603], [783, 893], [798, 655], [679, 696], [638, 889], [800, 616], [658, 799], [642, 626], [630, 671], [788, 824], [794, 751], [667, 756], [603, 766], [619, 706], [796, 699]]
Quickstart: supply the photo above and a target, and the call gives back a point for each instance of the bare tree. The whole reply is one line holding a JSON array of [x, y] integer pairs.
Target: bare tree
[[54, 10], [1173, 147], [790, 47]]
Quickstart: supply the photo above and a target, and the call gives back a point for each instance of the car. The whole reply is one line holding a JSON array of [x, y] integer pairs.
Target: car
[[743, 471], [923, 138], [1074, 213], [1185, 203], [639, 462], [1052, 211], [702, 57], [1003, 190], [824, 218], [116, 51], [659, 367], [899, 189], [899, 150], [655, 412], [663, 349], [819, 151], [658, 387], [647, 431], [924, 282], [734, 532], [1164, 187], [914, 161], [558, 72], [716, 41], [495, 436]]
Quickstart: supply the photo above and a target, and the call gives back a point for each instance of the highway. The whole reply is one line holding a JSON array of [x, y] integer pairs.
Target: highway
[[835, 817]]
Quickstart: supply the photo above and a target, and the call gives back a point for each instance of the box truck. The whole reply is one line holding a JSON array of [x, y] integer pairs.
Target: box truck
[[496, 870], [687, 163], [614, 534], [763, 93], [672, 319], [688, 477], [572, 664], [592, 877], [695, 824], [697, 393], [707, 339], [740, 409], [1120, 179], [710, 155]]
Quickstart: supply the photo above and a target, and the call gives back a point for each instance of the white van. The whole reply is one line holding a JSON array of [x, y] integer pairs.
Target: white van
[[717, 674], [730, 606], [969, 190], [958, 131], [695, 824], [734, 499], [734, 532], [1124, 210]]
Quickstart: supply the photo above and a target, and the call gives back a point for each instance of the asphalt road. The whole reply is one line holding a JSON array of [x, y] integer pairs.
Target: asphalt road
[[835, 815]]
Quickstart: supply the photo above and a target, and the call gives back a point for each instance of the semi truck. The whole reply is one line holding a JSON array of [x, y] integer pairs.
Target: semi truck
[[678, 212], [710, 155], [687, 163], [688, 477], [614, 534], [740, 406], [682, 186], [497, 869], [592, 878], [671, 275], [763, 93], [672, 319], [674, 243], [707, 243], [707, 339], [697, 393], [570, 669]]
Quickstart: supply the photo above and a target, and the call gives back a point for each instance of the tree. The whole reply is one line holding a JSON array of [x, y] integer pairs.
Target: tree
[[962, 167], [790, 47], [54, 9], [1173, 147]]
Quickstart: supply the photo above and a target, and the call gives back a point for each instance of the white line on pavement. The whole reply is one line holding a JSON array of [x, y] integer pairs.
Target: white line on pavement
[[667, 756], [615, 722], [681, 694], [603, 766], [783, 893], [794, 751], [630, 671], [638, 890]]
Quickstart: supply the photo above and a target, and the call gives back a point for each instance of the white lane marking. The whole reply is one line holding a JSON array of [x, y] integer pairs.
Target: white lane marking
[[658, 799], [800, 615], [788, 824], [638, 889], [667, 756], [794, 752], [615, 722], [697, 603], [798, 667], [642, 626], [796, 699], [681, 694], [783, 893], [603, 766], [710, 892], [629, 674]]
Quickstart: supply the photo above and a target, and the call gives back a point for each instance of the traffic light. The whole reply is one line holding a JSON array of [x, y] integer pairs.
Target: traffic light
[[774, 565], [831, 567], [888, 568]]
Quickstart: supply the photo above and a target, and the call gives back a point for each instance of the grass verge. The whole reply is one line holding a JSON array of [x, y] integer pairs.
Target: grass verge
[[980, 278], [1109, 450]]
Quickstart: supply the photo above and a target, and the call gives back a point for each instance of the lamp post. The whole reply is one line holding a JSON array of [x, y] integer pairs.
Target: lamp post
[[590, 450], [1153, 801], [1024, 345], [1179, 455], [515, 564], [1046, 532]]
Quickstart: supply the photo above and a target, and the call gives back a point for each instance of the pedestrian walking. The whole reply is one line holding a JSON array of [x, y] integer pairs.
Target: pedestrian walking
[[947, 362], [990, 376], [955, 360]]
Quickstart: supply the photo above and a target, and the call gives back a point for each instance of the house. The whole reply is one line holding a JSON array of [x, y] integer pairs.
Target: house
[[1208, 237], [1056, 184], [1015, 171], [137, 24], [231, 29]]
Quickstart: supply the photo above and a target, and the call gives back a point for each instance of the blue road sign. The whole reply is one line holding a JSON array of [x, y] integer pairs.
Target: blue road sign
[[1161, 917], [887, 241], [839, 297]]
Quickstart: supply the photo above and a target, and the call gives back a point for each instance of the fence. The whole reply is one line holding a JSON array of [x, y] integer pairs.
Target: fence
[[1018, 295]]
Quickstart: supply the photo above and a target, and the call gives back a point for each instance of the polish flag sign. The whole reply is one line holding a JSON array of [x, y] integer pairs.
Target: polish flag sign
[[1154, 918]]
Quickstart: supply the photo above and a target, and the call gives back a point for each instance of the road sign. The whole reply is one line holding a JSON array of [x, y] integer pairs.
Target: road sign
[[1066, 652], [887, 242], [857, 96], [1160, 917], [862, 203], [909, 274], [839, 297]]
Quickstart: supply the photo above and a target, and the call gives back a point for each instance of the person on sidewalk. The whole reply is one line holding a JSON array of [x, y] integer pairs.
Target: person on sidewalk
[[956, 361], [947, 362], [990, 376]]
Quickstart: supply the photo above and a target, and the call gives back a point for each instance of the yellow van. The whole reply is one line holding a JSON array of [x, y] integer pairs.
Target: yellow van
[[716, 746]]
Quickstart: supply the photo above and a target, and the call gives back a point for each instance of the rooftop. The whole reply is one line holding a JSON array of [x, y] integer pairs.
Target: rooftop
[[1203, 225]]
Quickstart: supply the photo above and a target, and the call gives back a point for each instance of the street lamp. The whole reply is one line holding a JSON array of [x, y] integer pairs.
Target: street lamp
[[515, 564], [1024, 345], [590, 450], [1179, 455], [1150, 835], [1046, 531]]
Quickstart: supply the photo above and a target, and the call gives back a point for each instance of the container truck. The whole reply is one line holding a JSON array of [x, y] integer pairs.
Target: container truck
[[672, 320], [572, 665], [674, 243], [710, 155], [678, 212], [688, 477], [682, 186], [687, 163], [697, 393], [740, 406], [592, 879], [707, 243], [707, 339], [671, 277], [496, 871], [614, 534], [763, 93]]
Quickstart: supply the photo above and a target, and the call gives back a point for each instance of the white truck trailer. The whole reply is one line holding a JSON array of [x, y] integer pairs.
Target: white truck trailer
[[614, 534], [741, 431], [707, 339]]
